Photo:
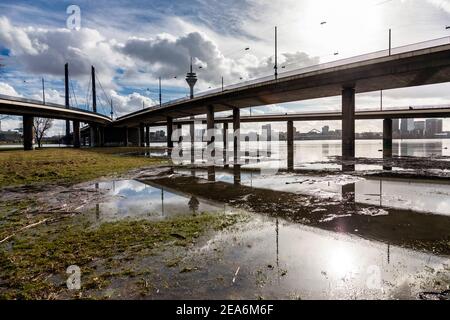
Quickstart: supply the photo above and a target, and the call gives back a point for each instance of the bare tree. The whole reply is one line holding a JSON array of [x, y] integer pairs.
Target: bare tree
[[41, 126]]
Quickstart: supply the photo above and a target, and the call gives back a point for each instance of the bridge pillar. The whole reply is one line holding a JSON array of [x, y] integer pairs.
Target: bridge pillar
[[290, 145], [147, 136], [125, 136], [237, 137], [387, 141], [348, 123], [192, 134], [169, 132], [101, 136], [211, 173], [92, 135], [237, 174], [141, 135], [225, 144], [96, 136], [28, 133], [76, 134], [210, 127], [180, 132], [387, 138]]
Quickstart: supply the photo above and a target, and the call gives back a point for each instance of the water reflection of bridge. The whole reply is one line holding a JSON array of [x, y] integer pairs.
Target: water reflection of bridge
[[401, 226]]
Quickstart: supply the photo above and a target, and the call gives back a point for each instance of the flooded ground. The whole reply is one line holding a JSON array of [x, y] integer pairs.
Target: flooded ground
[[308, 247], [315, 233]]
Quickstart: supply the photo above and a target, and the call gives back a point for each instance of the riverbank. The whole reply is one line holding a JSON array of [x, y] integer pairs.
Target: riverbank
[[154, 231], [35, 260], [67, 165]]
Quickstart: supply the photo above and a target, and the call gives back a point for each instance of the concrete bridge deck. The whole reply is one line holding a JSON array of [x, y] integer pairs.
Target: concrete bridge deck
[[422, 112], [411, 66], [20, 106]]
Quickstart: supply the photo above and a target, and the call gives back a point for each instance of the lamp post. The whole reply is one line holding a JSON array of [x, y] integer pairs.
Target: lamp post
[[160, 95], [43, 91], [276, 55]]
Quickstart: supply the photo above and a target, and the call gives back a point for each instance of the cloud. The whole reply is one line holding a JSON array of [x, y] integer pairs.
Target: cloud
[[8, 90], [131, 102], [441, 4], [15, 39], [288, 60], [45, 51], [169, 56]]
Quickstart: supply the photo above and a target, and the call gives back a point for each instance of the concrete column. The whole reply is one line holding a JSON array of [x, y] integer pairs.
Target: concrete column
[[67, 132], [237, 140], [210, 126], [290, 145], [387, 138], [169, 132], [180, 132], [28, 133], [93, 140], [192, 134], [387, 141], [211, 173], [125, 136], [141, 135], [348, 123], [225, 144], [147, 136], [76, 134], [101, 136], [237, 174]]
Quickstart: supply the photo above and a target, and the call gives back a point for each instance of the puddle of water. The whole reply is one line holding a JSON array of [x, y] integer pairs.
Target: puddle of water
[[409, 194], [277, 259], [405, 194], [134, 199], [348, 256]]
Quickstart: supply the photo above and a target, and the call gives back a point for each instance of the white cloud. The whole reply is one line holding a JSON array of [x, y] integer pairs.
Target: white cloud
[[131, 102], [8, 90], [442, 4], [45, 51]]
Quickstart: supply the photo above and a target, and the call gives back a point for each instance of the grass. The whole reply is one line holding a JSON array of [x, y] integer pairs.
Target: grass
[[64, 165], [33, 264]]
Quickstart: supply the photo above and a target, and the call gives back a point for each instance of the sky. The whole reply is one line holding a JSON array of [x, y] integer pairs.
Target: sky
[[132, 44]]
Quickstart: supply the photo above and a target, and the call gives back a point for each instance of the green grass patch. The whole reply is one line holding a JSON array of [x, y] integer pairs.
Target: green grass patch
[[65, 165], [33, 264]]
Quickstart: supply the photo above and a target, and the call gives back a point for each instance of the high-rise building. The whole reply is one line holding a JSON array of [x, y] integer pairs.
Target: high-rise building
[[407, 125], [395, 125], [268, 131], [325, 130], [433, 127], [419, 127]]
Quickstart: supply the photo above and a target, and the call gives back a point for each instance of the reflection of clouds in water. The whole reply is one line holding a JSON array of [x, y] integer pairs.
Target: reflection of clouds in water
[[421, 197], [136, 199], [123, 187]]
